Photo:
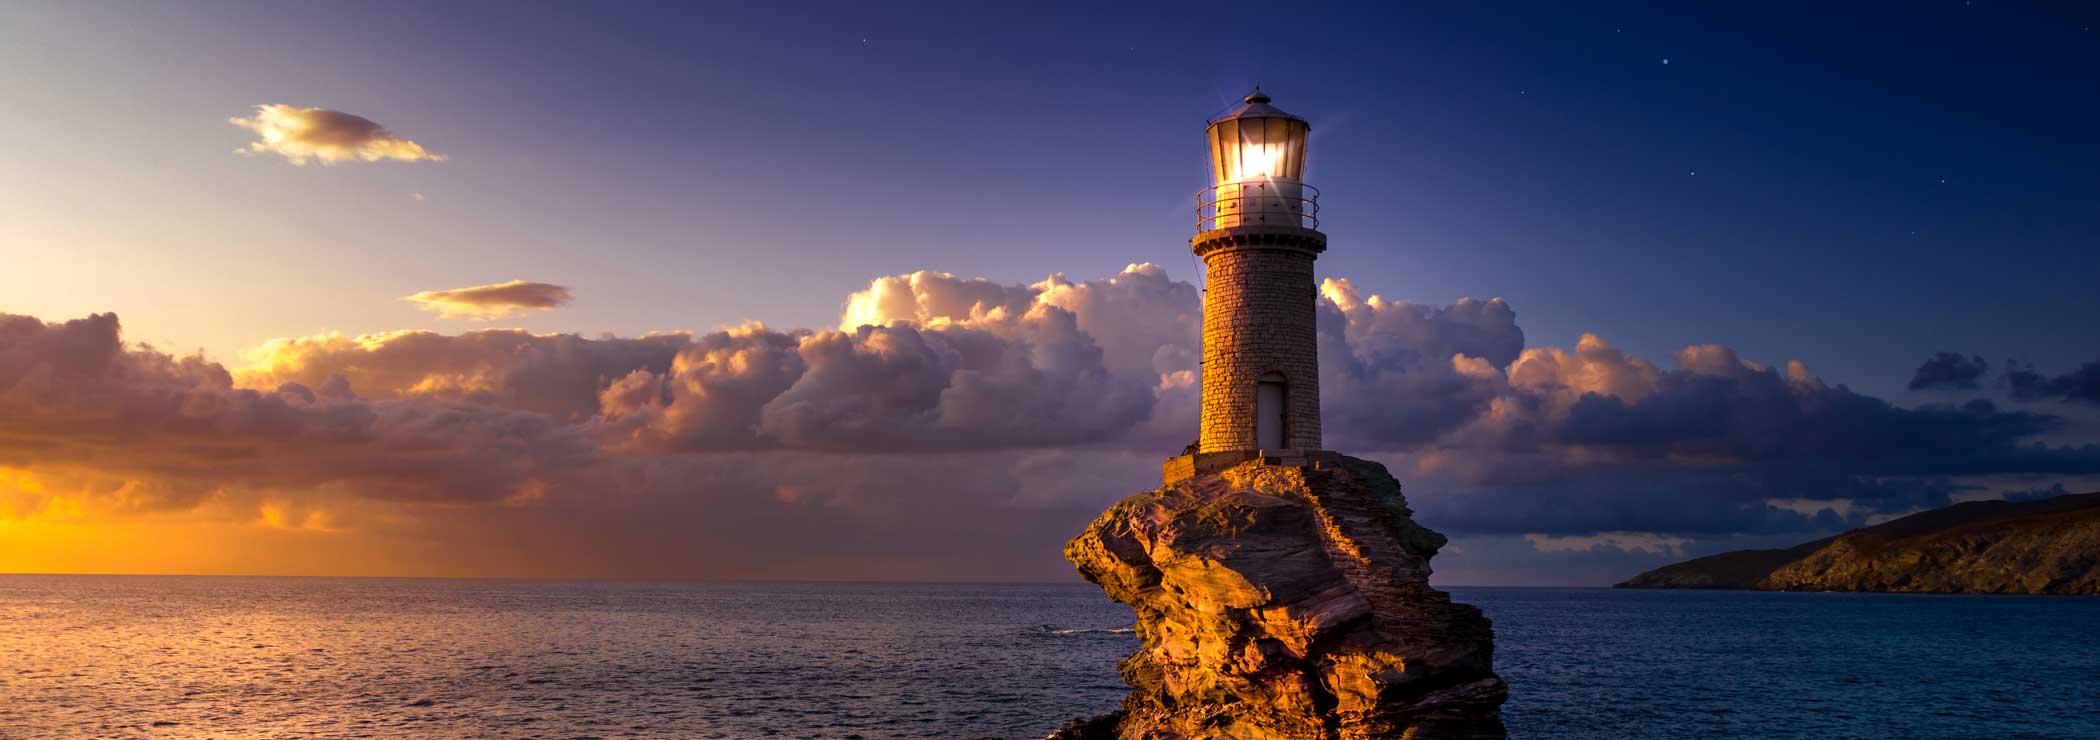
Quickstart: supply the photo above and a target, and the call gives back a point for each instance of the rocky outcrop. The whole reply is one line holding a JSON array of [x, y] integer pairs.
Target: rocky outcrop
[[1290, 602], [2049, 546]]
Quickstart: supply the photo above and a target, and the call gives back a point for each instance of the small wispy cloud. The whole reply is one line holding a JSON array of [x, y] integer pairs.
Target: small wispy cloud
[[1949, 371], [302, 135], [486, 302], [1654, 544]]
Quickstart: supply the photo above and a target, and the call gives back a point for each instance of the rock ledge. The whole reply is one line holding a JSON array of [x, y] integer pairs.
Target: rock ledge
[[1284, 602]]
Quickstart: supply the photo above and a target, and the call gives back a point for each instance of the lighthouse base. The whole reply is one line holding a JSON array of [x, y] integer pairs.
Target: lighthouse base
[[1183, 467]]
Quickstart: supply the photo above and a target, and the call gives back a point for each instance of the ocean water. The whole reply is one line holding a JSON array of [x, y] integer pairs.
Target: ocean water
[[167, 657]]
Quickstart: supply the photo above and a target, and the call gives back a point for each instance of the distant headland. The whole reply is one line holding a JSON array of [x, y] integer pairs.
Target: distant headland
[[2046, 546]]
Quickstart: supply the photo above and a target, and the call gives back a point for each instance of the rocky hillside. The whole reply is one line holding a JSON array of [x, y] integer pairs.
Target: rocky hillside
[[2048, 546], [1280, 601]]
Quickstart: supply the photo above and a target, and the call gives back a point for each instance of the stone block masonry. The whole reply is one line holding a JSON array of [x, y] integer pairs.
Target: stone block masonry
[[1258, 318]]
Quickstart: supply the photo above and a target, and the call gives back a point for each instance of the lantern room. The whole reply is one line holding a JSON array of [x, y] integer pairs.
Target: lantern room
[[1257, 155]]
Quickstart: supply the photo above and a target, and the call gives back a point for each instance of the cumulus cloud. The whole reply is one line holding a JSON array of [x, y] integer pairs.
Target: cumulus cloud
[[1032, 380], [1611, 442], [488, 302], [1502, 439], [560, 375], [1146, 325], [931, 363], [171, 432], [928, 298], [1446, 361], [1020, 410], [1949, 371], [2080, 386], [505, 478], [301, 135]]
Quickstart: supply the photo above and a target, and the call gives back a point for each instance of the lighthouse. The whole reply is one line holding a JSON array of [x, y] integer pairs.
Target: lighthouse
[[1257, 234], [1255, 516]]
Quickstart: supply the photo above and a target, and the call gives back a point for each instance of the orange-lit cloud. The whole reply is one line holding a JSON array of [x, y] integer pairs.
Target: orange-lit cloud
[[559, 375], [142, 431], [487, 302], [302, 135]]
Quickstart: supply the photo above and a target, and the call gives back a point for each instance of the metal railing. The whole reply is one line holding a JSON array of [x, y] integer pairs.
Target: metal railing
[[1280, 203]]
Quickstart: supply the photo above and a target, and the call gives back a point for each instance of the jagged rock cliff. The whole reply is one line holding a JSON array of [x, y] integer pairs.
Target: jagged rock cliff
[[1286, 602], [2050, 546]]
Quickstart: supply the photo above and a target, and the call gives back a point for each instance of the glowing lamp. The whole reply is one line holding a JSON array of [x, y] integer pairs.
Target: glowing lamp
[[1257, 157]]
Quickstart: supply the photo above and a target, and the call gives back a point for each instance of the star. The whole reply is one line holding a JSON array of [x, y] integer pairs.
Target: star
[[1666, 60]]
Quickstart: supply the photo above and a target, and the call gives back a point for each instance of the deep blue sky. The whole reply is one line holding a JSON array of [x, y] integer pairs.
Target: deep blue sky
[[1871, 185]]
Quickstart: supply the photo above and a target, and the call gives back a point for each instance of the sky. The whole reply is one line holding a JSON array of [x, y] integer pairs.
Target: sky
[[1652, 282]]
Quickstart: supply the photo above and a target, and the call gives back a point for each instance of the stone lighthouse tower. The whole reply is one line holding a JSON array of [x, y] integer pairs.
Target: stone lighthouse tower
[[1257, 234]]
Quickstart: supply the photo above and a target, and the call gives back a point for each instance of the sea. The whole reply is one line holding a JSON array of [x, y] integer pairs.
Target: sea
[[234, 657]]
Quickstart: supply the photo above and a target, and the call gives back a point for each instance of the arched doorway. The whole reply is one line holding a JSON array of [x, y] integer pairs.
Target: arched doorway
[[1269, 395]]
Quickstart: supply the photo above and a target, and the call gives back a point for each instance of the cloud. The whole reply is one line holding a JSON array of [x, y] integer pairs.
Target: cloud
[[946, 415], [301, 135], [1627, 541], [1441, 366], [1501, 439], [1596, 440], [1032, 380], [933, 363], [95, 430], [168, 433], [1146, 326], [928, 298], [1949, 371], [559, 375], [2081, 385], [488, 302], [2053, 491]]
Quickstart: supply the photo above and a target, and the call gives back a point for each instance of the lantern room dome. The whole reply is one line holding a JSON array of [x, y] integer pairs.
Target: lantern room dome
[[1257, 106]]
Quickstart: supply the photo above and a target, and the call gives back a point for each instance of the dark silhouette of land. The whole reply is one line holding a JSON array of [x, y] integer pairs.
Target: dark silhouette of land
[[2045, 546]]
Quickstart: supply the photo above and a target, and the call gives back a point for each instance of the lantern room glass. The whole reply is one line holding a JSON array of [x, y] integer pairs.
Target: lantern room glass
[[1251, 149]]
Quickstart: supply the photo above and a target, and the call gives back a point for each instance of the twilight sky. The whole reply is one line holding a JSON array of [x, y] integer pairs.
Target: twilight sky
[[1729, 247]]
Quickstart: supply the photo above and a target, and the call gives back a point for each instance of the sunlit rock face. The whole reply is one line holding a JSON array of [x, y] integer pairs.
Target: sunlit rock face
[[1287, 602]]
